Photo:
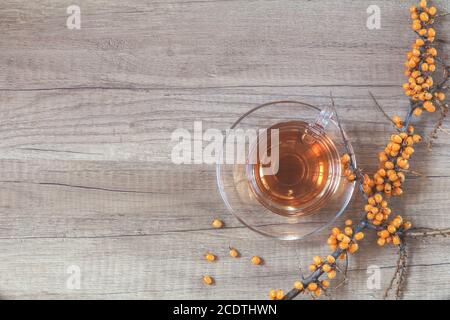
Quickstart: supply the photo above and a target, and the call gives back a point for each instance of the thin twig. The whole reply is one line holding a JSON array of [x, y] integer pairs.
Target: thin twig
[[399, 278], [412, 172], [434, 133], [381, 109], [442, 15], [427, 232]]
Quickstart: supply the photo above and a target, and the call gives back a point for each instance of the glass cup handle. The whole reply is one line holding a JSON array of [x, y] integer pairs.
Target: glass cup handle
[[324, 117], [318, 125]]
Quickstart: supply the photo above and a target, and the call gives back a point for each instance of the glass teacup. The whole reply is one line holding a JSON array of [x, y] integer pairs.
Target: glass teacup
[[287, 181]]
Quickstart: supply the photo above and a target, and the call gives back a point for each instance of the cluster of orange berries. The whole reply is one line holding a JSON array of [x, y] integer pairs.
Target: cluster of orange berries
[[346, 167], [390, 233], [377, 209], [421, 60], [345, 240], [395, 158], [327, 265]]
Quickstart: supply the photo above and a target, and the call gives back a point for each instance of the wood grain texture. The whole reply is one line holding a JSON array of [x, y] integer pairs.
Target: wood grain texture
[[85, 123]]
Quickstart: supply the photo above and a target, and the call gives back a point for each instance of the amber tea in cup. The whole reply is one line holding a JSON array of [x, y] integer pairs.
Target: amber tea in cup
[[307, 172]]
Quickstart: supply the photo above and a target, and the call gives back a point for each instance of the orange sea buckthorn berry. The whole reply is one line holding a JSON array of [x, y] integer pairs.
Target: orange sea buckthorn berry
[[359, 236], [440, 96], [332, 240], [431, 32], [298, 285], [331, 275], [396, 223], [353, 248], [210, 257], [331, 259], [325, 283], [396, 240], [407, 225], [234, 253], [272, 294], [396, 138], [343, 245], [432, 11], [341, 237], [416, 26], [409, 150], [208, 280], [384, 234], [430, 60], [345, 158], [326, 268], [422, 32], [428, 96], [381, 242], [376, 222], [416, 53], [217, 223], [378, 198], [397, 183], [256, 260], [389, 165], [335, 231], [382, 157], [423, 4], [397, 119], [280, 294], [432, 51], [424, 17], [348, 231], [312, 286], [391, 229], [417, 138], [379, 217], [417, 112], [318, 292], [412, 9], [312, 267], [317, 260], [429, 106], [348, 222]]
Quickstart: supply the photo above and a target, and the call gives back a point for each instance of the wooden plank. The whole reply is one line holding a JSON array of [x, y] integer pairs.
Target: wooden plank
[[86, 119], [129, 44]]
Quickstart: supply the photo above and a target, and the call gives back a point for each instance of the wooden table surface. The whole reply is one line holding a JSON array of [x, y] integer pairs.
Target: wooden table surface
[[86, 181]]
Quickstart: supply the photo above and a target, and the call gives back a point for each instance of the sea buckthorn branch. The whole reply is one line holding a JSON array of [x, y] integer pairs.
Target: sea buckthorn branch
[[424, 94], [400, 274]]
